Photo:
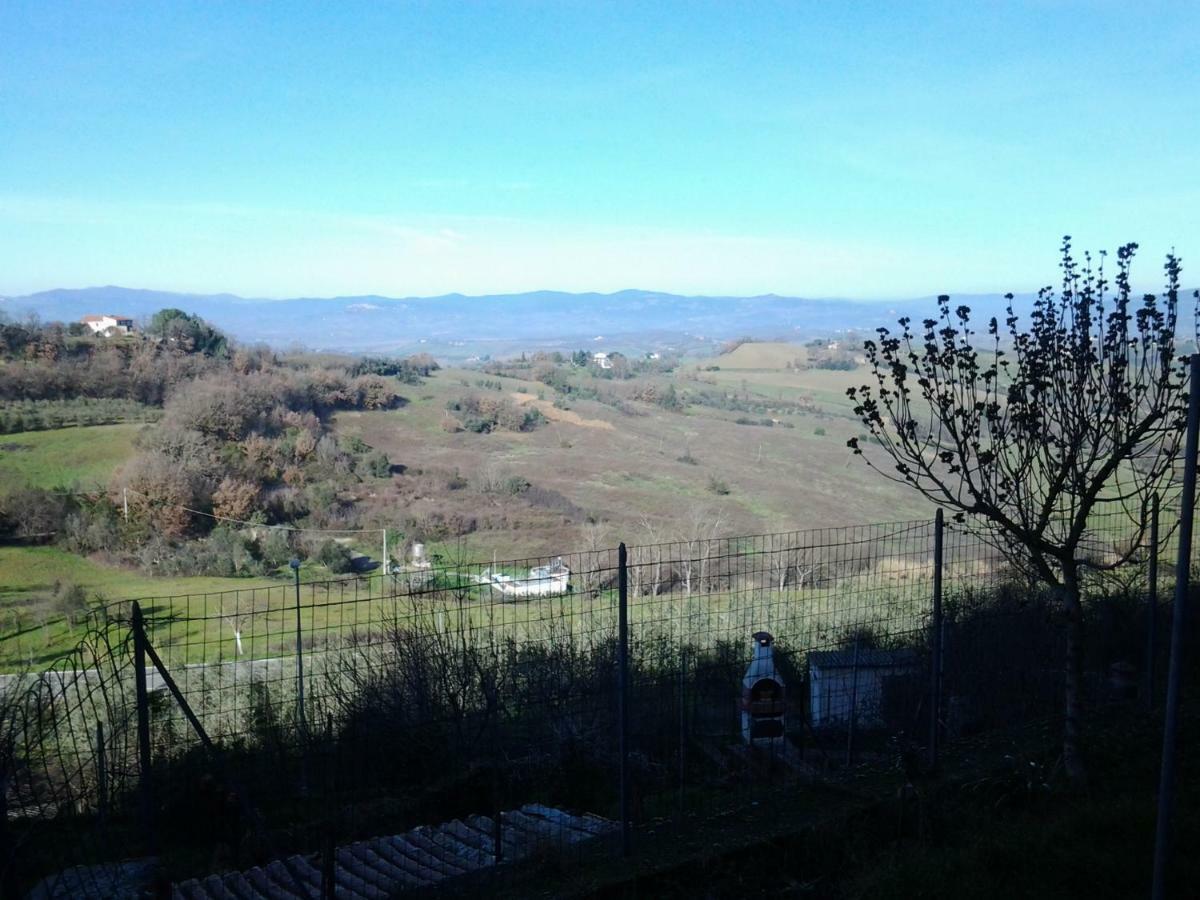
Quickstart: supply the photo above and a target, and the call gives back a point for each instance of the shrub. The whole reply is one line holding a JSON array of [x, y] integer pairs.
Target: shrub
[[717, 486], [515, 485], [70, 600], [335, 557], [274, 548], [379, 465]]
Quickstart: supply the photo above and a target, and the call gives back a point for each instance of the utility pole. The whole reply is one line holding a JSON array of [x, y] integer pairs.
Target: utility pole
[[125, 501], [387, 566]]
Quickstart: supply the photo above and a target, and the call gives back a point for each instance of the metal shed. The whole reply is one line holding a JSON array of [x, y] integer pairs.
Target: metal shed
[[853, 679]]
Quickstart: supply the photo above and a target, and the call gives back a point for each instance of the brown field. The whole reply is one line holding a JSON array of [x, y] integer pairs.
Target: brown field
[[627, 476]]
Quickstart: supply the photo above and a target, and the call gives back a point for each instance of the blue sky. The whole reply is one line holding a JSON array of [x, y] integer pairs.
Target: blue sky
[[863, 150]]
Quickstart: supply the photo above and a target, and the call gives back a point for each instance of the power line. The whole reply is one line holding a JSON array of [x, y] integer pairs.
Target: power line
[[200, 512]]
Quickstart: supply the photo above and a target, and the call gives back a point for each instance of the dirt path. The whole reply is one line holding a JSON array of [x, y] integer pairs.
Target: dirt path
[[554, 414]]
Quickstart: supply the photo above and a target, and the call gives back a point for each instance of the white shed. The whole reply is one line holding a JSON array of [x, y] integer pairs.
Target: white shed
[[842, 680]]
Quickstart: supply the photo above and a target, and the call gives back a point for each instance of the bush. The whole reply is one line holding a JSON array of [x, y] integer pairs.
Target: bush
[[70, 600], [379, 465], [515, 485], [717, 486], [274, 549], [33, 513], [335, 557]]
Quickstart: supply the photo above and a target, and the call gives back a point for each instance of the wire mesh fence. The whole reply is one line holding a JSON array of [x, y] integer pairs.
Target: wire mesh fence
[[534, 705]]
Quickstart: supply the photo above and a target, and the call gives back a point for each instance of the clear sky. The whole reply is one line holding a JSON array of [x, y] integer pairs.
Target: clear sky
[[819, 149]]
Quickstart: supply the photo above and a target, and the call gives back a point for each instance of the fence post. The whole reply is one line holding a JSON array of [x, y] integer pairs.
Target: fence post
[[101, 776], [295, 565], [1152, 605], [328, 837], [8, 856], [623, 691], [1166, 784], [853, 707], [145, 776], [682, 728], [936, 648]]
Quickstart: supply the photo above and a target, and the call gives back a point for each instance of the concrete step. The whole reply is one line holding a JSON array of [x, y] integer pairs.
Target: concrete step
[[383, 867]]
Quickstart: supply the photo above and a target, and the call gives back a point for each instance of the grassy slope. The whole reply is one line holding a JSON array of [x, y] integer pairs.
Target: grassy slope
[[630, 476], [627, 477], [64, 456], [31, 629]]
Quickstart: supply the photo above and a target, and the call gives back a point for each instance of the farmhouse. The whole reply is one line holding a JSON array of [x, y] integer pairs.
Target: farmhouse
[[601, 359], [108, 324]]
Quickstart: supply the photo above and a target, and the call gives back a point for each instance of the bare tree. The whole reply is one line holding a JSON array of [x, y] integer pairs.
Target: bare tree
[[652, 554], [790, 563], [595, 543], [697, 538], [234, 614], [1036, 432]]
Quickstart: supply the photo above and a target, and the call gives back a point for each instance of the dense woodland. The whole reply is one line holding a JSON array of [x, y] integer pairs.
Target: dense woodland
[[242, 437]]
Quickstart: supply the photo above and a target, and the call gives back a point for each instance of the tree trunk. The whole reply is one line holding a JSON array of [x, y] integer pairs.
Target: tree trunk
[[1073, 680]]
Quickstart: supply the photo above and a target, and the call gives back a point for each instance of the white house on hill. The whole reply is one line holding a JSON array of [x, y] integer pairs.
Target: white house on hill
[[602, 360], [108, 324]]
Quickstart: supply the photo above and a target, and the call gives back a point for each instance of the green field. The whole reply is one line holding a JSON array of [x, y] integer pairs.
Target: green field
[[64, 457], [33, 632], [193, 619]]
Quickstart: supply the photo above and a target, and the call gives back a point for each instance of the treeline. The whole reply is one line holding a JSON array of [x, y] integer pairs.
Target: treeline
[[40, 415], [54, 361], [243, 437]]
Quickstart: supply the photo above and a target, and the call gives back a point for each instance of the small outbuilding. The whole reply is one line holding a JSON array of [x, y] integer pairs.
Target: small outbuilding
[[858, 680]]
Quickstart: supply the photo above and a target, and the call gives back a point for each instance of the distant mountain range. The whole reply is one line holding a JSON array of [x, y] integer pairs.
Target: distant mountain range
[[458, 326]]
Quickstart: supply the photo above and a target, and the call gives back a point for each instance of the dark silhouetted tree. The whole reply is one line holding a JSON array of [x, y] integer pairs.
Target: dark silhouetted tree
[[1034, 432]]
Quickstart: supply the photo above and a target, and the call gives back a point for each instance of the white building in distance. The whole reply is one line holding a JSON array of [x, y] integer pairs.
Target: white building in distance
[[108, 324]]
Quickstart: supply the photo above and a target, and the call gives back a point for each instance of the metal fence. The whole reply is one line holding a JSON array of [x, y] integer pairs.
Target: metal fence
[[621, 690]]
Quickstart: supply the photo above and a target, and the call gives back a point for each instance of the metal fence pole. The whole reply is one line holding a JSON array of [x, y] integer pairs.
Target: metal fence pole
[[682, 729], [145, 776], [1152, 605], [623, 691], [328, 837], [8, 855], [853, 724], [101, 776], [295, 564], [935, 662], [1166, 784]]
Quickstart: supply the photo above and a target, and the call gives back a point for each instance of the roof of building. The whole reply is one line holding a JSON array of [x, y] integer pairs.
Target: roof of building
[[867, 659]]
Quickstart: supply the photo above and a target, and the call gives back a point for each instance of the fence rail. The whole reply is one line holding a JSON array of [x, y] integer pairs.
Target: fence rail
[[648, 684]]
